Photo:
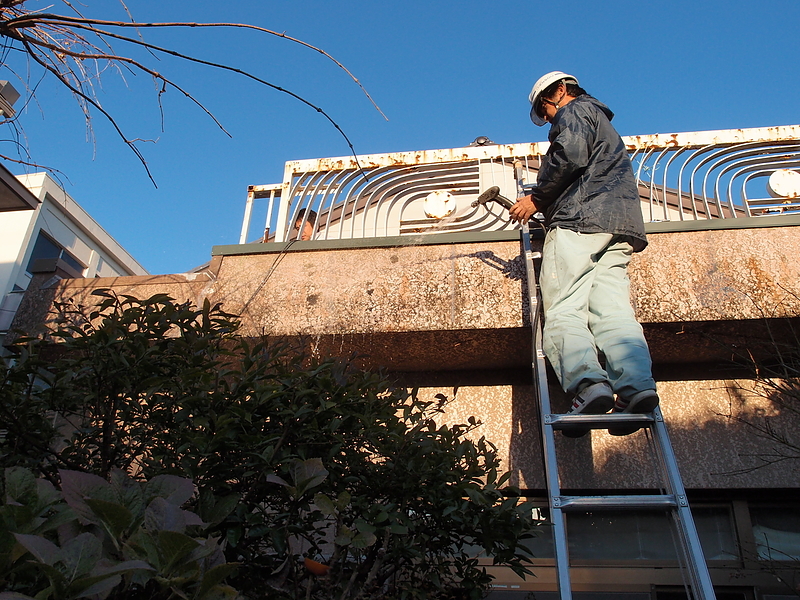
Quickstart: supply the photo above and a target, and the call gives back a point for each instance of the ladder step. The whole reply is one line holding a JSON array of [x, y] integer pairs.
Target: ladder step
[[580, 503], [566, 421]]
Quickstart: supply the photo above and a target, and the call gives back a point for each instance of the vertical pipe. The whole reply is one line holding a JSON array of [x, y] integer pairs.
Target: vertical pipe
[[248, 211], [273, 197]]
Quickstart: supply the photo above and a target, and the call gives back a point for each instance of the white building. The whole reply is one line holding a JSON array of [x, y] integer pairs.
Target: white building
[[41, 226]]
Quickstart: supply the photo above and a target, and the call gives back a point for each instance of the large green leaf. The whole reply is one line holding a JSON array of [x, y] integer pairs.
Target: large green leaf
[[121, 568], [363, 539], [175, 547], [78, 486], [43, 550], [325, 505], [214, 510], [211, 580], [80, 555], [175, 490], [92, 587], [129, 492], [142, 545], [162, 514], [47, 494], [20, 486], [307, 474], [103, 578], [114, 517]]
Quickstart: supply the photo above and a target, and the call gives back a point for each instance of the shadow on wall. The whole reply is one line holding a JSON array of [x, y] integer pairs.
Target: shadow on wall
[[725, 435], [742, 431]]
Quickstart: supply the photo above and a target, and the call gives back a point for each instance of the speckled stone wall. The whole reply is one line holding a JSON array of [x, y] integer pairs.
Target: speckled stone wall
[[717, 275], [460, 309], [416, 288], [716, 427], [695, 276]]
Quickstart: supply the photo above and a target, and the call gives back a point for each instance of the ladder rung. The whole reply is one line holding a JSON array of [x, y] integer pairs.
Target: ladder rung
[[566, 421], [653, 502]]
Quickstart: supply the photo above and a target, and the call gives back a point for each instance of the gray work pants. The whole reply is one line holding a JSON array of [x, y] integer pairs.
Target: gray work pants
[[586, 297]]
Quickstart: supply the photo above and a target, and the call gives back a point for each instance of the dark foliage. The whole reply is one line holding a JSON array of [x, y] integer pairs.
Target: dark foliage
[[323, 480]]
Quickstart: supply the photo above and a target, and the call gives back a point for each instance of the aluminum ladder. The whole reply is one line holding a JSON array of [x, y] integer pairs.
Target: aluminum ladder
[[673, 501]]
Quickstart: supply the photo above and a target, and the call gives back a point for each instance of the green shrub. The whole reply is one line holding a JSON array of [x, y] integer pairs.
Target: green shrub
[[323, 480], [98, 537]]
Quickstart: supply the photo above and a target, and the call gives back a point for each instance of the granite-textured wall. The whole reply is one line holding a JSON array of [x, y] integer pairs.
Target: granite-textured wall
[[460, 309], [462, 305], [718, 275], [716, 427]]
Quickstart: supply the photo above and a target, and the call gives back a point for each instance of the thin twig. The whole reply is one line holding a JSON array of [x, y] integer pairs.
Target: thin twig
[[94, 103], [43, 27], [54, 18], [135, 63]]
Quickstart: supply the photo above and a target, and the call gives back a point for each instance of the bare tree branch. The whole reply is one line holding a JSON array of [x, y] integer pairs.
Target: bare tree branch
[[48, 18], [58, 44], [225, 68], [129, 61], [92, 102]]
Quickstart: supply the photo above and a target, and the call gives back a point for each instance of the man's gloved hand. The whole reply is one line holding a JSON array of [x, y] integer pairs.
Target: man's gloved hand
[[523, 210]]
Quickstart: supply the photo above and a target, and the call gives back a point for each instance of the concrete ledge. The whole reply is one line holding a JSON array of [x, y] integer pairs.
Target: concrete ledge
[[490, 236], [462, 305]]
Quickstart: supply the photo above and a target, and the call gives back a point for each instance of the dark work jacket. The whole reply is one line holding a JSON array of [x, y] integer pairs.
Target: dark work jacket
[[586, 182]]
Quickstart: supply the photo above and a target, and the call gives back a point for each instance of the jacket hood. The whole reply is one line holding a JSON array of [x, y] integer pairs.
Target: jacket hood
[[600, 106]]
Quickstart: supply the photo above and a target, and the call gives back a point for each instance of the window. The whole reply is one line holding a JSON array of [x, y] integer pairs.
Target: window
[[673, 593], [620, 535], [636, 535], [716, 530], [777, 532], [46, 247]]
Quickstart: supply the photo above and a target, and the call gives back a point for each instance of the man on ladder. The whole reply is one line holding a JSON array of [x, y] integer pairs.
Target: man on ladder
[[587, 192]]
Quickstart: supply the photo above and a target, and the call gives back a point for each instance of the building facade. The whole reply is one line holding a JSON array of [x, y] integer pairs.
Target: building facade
[[52, 234], [409, 272]]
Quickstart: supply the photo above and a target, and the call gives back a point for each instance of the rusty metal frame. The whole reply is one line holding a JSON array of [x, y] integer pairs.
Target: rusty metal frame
[[701, 175]]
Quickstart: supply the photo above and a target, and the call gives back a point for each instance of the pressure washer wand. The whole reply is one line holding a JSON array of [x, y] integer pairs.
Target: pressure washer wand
[[493, 194]]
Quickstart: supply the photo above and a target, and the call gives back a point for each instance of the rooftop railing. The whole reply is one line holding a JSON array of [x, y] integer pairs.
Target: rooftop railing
[[725, 174]]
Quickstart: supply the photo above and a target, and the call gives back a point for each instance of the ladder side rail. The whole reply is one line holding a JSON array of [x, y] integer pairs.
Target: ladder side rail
[[700, 578], [557, 518]]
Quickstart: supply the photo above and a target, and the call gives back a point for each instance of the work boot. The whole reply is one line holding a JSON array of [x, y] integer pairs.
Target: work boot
[[639, 404], [594, 399]]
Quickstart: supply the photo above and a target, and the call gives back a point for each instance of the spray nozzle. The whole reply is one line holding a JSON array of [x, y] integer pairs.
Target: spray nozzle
[[493, 194]]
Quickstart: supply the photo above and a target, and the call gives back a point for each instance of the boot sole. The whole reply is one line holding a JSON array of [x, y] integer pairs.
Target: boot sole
[[598, 406], [644, 405]]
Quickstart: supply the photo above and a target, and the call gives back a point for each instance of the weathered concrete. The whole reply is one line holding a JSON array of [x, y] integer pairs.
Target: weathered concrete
[[461, 306], [717, 275], [458, 312], [711, 423]]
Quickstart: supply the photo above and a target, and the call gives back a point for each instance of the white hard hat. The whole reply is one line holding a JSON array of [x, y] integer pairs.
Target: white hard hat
[[544, 82]]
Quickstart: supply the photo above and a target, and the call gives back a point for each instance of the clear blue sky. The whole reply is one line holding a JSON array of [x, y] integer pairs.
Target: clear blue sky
[[443, 71]]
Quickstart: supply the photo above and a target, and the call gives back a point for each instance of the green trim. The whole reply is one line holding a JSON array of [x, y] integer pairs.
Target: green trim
[[471, 237], [712, 224], [382, 242]]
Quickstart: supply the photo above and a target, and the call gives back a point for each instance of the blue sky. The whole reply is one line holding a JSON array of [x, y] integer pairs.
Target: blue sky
[[444, 73]]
